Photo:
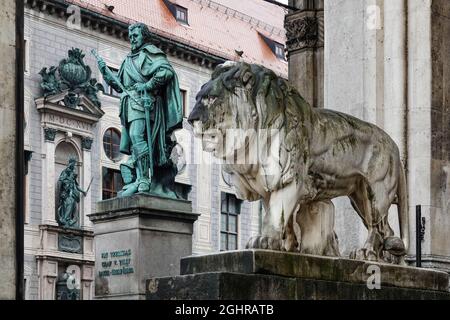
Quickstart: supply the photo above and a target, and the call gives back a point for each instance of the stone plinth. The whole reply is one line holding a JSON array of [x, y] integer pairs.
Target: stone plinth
[[261, 274], [137, 238]]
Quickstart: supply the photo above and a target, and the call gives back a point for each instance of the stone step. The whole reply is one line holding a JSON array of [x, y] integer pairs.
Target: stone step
[[265, 262], [237, 286]]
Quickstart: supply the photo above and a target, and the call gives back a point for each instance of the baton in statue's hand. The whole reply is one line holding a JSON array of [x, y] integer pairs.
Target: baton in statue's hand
[[114, 77], [89, 186]]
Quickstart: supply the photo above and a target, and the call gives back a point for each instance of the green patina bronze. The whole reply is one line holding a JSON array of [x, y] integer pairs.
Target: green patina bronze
[[69, 194], [150, 110], [72, 76]]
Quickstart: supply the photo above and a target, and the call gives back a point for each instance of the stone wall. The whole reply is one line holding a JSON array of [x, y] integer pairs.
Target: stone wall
[[8, 148], [440, 134], [386, 62]]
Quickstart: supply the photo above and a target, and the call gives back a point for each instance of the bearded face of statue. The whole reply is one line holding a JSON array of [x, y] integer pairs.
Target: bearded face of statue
[[136, 39]]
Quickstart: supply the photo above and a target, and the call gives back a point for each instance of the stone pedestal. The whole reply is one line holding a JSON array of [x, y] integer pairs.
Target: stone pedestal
[[262, 274], [137, 238]]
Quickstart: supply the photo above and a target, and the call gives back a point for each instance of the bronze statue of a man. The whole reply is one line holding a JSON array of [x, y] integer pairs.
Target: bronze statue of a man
[[150, 110]]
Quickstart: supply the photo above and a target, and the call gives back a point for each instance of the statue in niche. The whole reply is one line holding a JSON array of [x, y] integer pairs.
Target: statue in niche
[[296, 159], [150, 111], [69, 195]]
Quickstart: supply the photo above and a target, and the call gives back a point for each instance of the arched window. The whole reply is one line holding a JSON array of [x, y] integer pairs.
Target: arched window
[[111, 144]]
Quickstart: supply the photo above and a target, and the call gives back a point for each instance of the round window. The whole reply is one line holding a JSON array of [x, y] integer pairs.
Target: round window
[[111, 144]]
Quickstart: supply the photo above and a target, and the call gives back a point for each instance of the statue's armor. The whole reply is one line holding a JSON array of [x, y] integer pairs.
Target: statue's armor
[[144, 134]]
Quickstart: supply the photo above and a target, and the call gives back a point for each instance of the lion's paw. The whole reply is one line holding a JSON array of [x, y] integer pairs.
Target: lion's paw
[[261, 242], [363, 254]]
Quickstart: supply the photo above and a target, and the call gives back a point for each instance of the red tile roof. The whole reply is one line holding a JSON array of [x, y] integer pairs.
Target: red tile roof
[[218, 27]]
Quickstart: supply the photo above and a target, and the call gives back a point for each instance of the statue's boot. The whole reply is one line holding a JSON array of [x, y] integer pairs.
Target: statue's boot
[[129, 176], [142, 156]]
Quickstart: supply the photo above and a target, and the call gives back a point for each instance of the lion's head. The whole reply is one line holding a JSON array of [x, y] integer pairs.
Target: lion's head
[[239, 96]]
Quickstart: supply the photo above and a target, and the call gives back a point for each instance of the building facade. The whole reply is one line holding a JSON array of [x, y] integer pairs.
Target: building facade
[[196, 36]]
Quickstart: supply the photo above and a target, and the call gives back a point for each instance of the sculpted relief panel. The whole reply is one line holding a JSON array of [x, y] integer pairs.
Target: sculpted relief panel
[[296, 159]]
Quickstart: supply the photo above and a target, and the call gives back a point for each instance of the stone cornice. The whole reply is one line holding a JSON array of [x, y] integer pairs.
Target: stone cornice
[[119, 29]]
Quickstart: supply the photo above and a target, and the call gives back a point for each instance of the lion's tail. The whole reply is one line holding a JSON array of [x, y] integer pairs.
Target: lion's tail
[[402, 206]]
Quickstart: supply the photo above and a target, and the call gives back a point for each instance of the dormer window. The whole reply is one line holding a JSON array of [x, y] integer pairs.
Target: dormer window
[[279, 50], [276, 47], [180, 13]]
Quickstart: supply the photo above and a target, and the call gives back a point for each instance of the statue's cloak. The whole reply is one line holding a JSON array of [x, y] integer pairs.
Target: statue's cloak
[[168, 106]]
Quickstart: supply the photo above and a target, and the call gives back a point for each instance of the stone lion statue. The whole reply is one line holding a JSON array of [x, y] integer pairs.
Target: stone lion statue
[[296, 159]]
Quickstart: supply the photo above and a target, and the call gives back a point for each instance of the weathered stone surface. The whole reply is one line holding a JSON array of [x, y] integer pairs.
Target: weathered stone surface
[[320, 155], [7, 147], [269, 275], [137, 238], [314, 267], [235, 286], [221, 286], [144, 202]]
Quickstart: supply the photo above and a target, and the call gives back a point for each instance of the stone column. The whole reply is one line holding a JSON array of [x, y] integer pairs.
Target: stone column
[[48, 178], [48, 272], [395, 72], [87, 282], [438, 108], [7, 147], [203, 242], [305, 45], [86, 144]]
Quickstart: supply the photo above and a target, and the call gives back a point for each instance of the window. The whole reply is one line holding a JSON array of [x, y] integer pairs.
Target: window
[[111, 144], [230, 209], [112, 183], [181, 14], [276, 47], [183, 101], [279, 51], [108, 89]]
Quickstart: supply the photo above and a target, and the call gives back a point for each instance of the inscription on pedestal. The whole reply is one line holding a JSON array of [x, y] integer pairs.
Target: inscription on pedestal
[[116, 263]]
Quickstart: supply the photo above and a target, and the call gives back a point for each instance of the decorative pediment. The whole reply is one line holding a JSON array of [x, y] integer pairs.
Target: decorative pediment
[[80, 120], [85, 104]]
